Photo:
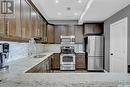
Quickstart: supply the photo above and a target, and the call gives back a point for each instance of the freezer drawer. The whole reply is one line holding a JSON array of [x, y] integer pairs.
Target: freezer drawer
[[95, 63]]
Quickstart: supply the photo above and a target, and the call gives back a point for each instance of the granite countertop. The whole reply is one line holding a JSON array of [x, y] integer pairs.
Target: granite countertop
[[22, 65], [16, 77]]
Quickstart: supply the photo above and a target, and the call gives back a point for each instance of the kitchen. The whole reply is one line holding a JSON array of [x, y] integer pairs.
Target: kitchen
[[37, 46]]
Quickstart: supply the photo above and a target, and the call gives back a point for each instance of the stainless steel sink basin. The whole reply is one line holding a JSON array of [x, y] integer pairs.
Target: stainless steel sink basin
[[39, 56]]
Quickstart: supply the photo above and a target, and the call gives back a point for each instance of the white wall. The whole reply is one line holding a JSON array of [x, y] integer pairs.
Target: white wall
[[118, 16]]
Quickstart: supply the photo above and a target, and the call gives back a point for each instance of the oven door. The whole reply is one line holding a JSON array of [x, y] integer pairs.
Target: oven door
[[67, 59]]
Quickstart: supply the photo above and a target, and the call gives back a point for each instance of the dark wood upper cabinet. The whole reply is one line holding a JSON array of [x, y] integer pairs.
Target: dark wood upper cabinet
[[45, 32], [33, 23], [71, 30], [96, 28], [25, 19], [39, 26], [2, 26], [50, 34], [64, 30], [68, 30], [79, 34], [12, 27], [57, 34], [18, 18], [28, 23]]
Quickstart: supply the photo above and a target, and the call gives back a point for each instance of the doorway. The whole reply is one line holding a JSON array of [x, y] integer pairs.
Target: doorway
[[118, 46]]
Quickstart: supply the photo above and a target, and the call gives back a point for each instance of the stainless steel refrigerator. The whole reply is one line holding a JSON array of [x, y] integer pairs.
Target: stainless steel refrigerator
[[94, 49]]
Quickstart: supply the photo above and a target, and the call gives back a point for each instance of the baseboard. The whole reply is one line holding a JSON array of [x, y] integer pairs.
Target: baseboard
[[95, 70]]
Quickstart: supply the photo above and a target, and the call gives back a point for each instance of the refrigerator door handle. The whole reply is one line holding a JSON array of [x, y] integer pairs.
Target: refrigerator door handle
[[88, 47]]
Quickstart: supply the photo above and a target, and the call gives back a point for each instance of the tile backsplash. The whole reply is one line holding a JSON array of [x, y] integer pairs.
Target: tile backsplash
[[21, 50], [56, 48]]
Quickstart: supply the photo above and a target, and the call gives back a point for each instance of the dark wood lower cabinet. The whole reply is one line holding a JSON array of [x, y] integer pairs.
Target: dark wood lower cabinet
[[80, 61], [55, 61], [42, 67], [51, 63]]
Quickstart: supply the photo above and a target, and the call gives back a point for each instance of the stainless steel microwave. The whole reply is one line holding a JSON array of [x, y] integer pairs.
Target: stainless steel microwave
[[67, 39]]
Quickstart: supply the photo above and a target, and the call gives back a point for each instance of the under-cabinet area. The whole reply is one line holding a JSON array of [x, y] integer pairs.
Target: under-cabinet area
[[52, 64]]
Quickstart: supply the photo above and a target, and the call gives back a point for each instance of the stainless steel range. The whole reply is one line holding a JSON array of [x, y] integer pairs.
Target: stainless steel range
[[67, 56]]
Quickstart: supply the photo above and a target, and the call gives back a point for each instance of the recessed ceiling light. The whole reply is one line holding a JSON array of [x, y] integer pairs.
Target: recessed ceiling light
[[79, 1], [57, 1], [75, 14], [68, 8], [34, 14], [59, 13]]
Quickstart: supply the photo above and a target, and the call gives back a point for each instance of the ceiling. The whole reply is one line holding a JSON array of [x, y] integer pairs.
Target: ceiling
[[80, 10], [100, 10], [59, 11]]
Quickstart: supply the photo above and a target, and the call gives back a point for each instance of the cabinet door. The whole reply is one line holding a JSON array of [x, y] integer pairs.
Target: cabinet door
[[33, 23], [2, 26], [44, 31], [80, 61], [13, 25], [25, 18], [70, 31], [50, 33], [41, 27], [10, 27], [57, 34], [38, 26], [55, 62], [98, 28], [64, 30], [88, 29], [79, 34], [18, 19], [93, 28]]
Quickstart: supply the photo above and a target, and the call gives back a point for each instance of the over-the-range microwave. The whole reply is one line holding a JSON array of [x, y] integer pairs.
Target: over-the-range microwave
[[67, 39]]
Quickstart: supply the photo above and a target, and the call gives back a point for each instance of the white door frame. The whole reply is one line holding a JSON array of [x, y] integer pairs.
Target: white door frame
[[125, 42]]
